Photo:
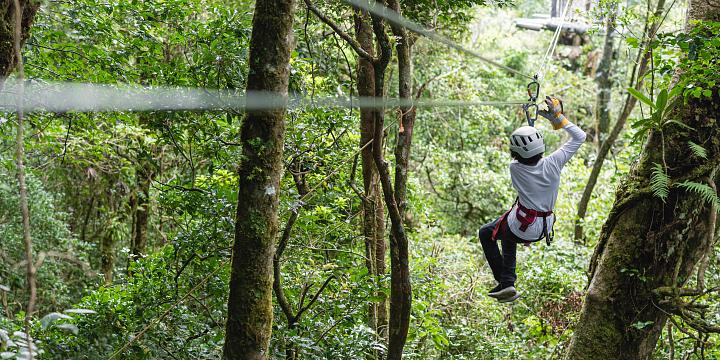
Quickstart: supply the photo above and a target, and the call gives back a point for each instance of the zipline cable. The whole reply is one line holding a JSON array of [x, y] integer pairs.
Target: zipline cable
[[390, 15], [84, 97]]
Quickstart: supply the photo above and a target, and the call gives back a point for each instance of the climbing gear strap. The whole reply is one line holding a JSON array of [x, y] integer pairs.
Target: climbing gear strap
[[528, 216], [531, 108]]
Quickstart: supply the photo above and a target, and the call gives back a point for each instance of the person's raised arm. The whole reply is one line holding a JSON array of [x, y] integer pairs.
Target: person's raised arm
[[554, 113]]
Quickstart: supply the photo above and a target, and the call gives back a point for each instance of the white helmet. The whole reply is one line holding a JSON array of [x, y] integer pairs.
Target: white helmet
[[527, 142]]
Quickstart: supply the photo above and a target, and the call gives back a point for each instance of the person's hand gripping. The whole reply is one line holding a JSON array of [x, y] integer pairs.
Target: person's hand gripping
[[554, 112]]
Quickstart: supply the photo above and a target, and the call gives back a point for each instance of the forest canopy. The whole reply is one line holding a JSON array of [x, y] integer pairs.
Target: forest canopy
[[305, 179]]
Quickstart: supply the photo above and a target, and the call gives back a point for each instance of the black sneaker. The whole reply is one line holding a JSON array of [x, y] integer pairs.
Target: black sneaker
[[501, 292], [494, 290], [510, 299]]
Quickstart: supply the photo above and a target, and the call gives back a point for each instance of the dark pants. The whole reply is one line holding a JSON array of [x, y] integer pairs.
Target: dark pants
[[503, 266]]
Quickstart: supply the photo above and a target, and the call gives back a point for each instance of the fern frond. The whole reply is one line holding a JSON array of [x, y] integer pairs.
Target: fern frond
[[698, 150], [705, 191], [659, 182]]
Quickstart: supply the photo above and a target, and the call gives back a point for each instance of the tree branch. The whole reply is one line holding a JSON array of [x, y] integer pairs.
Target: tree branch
[[348, 39]]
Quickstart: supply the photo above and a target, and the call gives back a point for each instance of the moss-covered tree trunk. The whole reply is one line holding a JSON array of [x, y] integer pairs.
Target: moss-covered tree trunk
[[250, 312], [646, 243], [7, 54]]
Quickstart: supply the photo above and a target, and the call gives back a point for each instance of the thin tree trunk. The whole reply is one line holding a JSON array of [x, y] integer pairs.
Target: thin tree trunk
[[250, 312], [637, 81], [646, 244], [403, 46], [401, 290], [400, 277], [107, 256], [604, 83], [373, 212], [141, 213], [20, 161]]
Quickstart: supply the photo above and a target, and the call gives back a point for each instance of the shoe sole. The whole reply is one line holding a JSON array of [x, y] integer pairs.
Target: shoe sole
[[510, 299], [506, 292]]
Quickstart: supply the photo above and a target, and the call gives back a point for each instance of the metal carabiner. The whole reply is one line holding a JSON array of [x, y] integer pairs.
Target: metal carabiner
[[533, 95], [531, 116]]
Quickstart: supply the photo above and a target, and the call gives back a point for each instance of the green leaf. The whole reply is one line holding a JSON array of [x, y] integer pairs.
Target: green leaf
[[640, 96], [698, 150], [660, 182], [678, 123], [707, 193], [642, 324], [661, 101]]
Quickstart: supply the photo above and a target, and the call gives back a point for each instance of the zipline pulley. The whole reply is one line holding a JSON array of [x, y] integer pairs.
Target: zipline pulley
[[531, 108]]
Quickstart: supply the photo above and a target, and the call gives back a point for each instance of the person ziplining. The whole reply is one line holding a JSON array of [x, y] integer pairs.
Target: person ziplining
[[536, 180]]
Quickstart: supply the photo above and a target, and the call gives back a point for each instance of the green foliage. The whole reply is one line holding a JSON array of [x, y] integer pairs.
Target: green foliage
[[708, 194], [663, 104], [697, 150], [659, 182], [698, 54]]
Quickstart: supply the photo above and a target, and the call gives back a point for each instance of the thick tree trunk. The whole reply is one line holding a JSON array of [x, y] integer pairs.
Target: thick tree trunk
[[29, 8], [646, 243], [637, 81], [250, 312], [604, 83]]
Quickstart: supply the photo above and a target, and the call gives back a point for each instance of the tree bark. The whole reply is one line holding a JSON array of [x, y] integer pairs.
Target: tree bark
[[18, 36], [107, 256], [373, 211], [401, 290], [142, 211], [403, 46], [637, 81], [29, 8], [250, 312], [399, 268], [604, 82], [646, 243]]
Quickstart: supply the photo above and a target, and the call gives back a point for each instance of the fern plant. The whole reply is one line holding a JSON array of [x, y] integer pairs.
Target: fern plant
[[697, 150], [707, 193], [659, 182]]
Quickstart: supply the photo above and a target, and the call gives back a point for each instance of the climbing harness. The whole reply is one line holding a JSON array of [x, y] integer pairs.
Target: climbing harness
[[530, 108], [527, 217]]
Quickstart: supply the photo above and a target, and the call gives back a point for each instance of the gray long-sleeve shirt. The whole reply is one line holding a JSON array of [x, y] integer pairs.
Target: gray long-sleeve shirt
[[537, 185]]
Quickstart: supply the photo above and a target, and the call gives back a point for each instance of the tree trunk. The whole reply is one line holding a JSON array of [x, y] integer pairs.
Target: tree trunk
[[250, 311], [141, 213], [400, 277], [403, 47], [17, 20], [107, 256], [646, 243], [602, 115], [8, 60], [637, 81], [401, 290], [373, 211]]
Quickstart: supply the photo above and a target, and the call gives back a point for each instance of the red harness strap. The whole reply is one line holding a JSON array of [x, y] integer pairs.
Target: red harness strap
[[527, 216]]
